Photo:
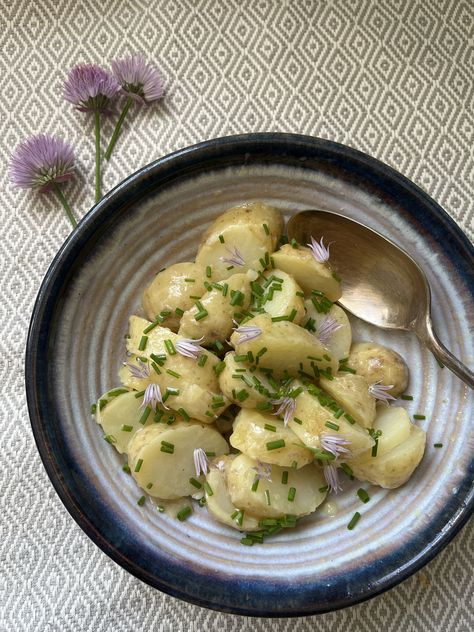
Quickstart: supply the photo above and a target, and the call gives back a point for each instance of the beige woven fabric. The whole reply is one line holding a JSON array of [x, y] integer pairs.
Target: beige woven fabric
[[390, 77]]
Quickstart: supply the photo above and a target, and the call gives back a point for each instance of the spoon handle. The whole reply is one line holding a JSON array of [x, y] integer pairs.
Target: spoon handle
[[424, 331]]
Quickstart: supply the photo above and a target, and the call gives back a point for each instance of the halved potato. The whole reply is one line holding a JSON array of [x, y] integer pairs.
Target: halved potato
[[307, 272], [161, 457], [338, 343], [351, 392], [282, 296], [237, 239], [254, 432], [395, 426], [171, 289], [272, 499], [242, 387], [379, 364]]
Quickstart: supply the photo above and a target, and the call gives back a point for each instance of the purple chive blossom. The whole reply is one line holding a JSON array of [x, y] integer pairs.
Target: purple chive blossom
[[380, 392], [90, 88], [332, 478], [220, 465], [335, 445], [190, 348], [201, 462], [326, 329], [140, 371], [42, 163], [235, 258], [286, 407], [247, 333], [138, 80], [263, 471], [152, 397], [319, 250]]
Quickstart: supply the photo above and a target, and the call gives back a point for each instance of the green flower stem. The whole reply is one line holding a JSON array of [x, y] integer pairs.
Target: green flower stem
[[98, 193], [118, 128], [60, 195]]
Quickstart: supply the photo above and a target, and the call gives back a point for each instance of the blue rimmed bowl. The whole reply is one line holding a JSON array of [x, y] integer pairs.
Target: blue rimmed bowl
[[75, 346]]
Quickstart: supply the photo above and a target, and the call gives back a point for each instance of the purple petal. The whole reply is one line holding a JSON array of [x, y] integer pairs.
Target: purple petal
[[332, 478], [140, 371], [326, 329], [334, 444], [379, 391], [201, 462], [263, 471], [247, 333], [319, 250], [235, 258], [190, 348], [152, 397], [287, 406], [89, 87], [138, 79]]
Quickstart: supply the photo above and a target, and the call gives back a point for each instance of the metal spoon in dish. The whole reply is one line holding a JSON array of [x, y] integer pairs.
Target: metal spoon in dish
[[381, 283]]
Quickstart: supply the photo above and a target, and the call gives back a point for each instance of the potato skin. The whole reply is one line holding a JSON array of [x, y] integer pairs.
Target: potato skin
[[169, 291], [352, 393], [379, 364]]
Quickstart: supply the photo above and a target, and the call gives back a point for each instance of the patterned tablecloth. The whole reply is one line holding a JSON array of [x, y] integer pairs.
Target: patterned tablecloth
[[393, 78]]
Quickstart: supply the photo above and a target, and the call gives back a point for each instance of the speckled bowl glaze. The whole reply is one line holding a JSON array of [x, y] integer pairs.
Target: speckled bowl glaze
[[75, 346]]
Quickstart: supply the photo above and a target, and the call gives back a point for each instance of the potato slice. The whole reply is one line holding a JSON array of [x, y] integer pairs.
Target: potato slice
[[243, 388], [120, 418], [310, 419], [289, 348], [163, 457], [337, 343], [171, 289], [281, 296], [307, 272], [351, 392], [219, 503], [238, 238], [271, 499], [395, 467], [254, 432], [221, 309], [379, 364], [395, 427]]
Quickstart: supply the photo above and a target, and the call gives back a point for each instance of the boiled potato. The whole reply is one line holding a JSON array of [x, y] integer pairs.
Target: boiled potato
[[282, 296], [290, 349], [237, 239], [221, 309], [312, 415], [351, 392], [379, 364], [337, 343], [120, 418], [307, 272], [306, 482], [395, 467], [394, 425], [219, 504], [171, 289], [243, 388], [161, 457], [255, 431]]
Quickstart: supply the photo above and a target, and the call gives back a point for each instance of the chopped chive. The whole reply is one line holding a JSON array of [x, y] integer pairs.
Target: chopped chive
[[291, 494], [202, 360], [284, 477], [170, 347], [262, 263], [292, 315], [149, 485], [209, 414], [419, 417], [143, 343], [178, 311], [272, 261], [347, 470], [145, 415], [339, 412], [184, 414], [270, 427], [184, 513], [363, 495], [102, 403], [138, 465], [241, 358], [219, 367], [264, 406], [267, 497], [110, 439], [347, 369], [294, 243], [437, 445], [202, 314], [255, 485], [327, 357], [349, 418], [323, 489], [208, 272], [173, 373], [126, 428], [242, 395], [221, 239], [407, 397], [170, 390], [230, 268], [261, 352], [239, 518], [126, 468], [159, 358], [265, 228], [93, 409], [158, 415], [187, 280], [279, 319], [166, 447], [153, 325], [208, 489], [294, 465], [298, 421], [275, 445], [195, 483], [247, 541], [354, 520], [141, 501], [236, 298], [210, 454], [117, 391], [195, 297], [329, 424], [225, 288], [155, 368]]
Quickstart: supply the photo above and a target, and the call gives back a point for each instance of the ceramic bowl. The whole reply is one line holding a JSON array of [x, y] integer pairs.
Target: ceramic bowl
[[154, 218]]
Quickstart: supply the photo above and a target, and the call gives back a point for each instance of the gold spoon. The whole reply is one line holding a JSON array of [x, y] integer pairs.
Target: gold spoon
[[381, 283]]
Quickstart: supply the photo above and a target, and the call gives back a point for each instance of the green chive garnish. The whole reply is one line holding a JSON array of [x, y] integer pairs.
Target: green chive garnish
[[284, 478], [219, 367], [329, 424], [298, 421], [354, 520], [143, 343], [291, 494], [178, 311], [102, 403], [184, 513], [184, 414], [149, 485], [195, 483], [201, 314], [267, 497], [126, 428], [275, 445], [323, 489], [419, 417], [437, 445], [170, 347], [264, 406], [126, 468], [363, 495], [270, 427], [110, 439], [208, 489], [208, 272], [93, 409], [255, 485], [141, 501], [145, 415], [247, 541], [190, 280], [265, 228], [166, 447], [138, 466], [173, 373], [408, 398], [202, 360], [221, 239]]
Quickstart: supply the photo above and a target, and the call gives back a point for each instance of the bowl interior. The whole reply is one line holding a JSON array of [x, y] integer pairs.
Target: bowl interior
[[78, 346]]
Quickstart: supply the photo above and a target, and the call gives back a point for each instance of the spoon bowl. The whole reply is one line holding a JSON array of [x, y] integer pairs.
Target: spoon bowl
[[381, 283]]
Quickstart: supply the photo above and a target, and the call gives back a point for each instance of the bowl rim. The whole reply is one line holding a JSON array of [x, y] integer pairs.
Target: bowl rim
[[185, 163]]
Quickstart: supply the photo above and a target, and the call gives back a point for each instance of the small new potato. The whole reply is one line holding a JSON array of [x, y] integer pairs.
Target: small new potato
[[171, 289], [351, 392], [307, 272], [244, 388], [379, 364], [337, 341], [395, 426], [282, 296], [254, 432], [120, 418], [274, 499]]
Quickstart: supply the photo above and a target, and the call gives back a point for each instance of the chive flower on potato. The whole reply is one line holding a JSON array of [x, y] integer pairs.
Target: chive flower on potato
[[326, 329], [319, 250], [331, 475], [336, 445], [91, 88], [44, 163], [140, 82], [247, 333], [380, 392], [286, 407], [235, 258], [140, 371], [263, 471], [152, 397], [201, 462], [190, 348]]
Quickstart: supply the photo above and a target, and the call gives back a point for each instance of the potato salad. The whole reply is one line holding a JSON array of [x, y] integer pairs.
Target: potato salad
[[242, 390]]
